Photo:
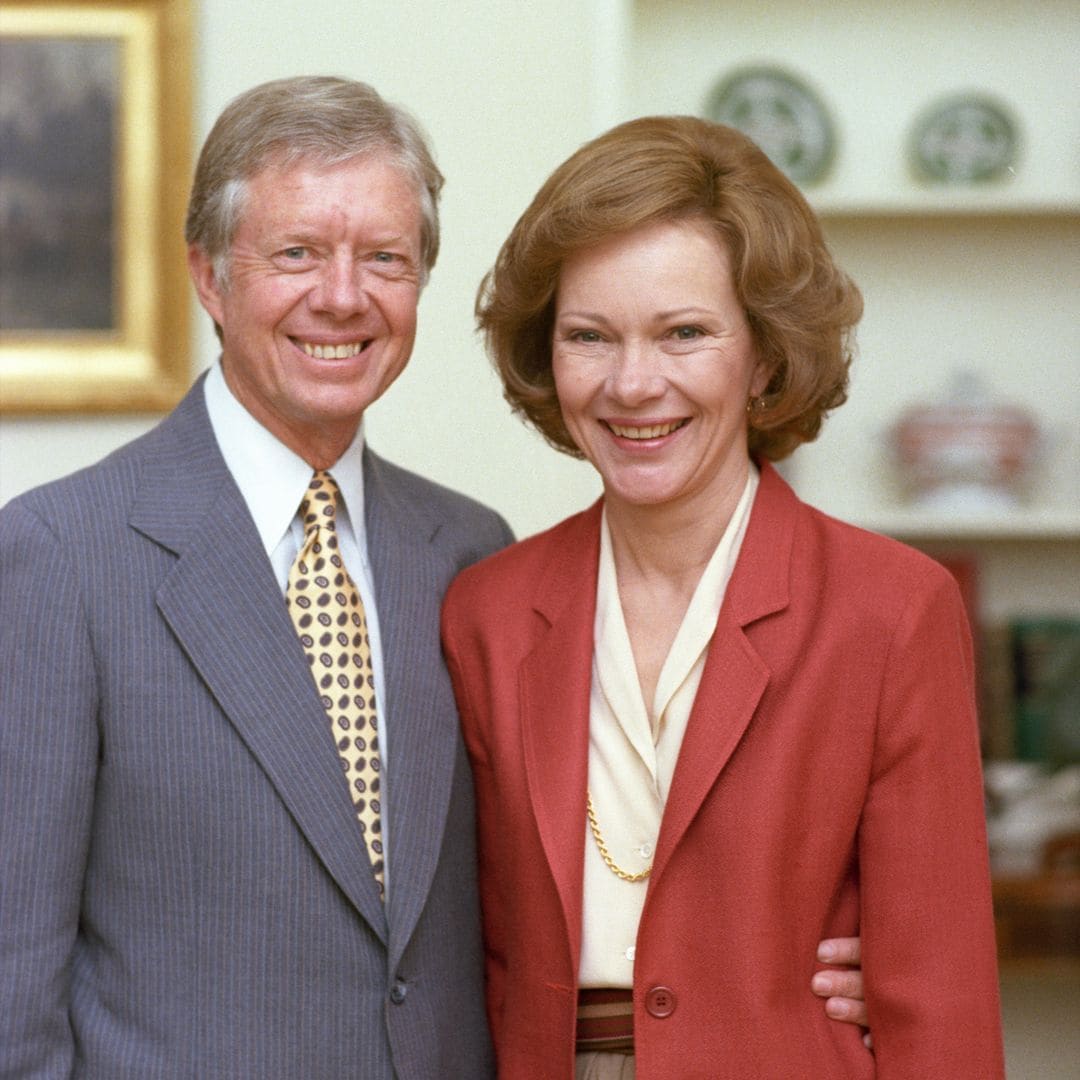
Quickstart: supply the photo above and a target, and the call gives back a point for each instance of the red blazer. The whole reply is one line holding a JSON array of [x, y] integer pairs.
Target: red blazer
[[828, 785]]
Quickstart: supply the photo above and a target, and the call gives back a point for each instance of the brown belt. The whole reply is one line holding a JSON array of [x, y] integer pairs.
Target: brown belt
[[605, 1021]]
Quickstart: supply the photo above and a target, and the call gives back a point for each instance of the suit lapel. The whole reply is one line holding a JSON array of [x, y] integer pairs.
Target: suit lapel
[[735, 676], [554, 682], [226, 610], [422, 727]]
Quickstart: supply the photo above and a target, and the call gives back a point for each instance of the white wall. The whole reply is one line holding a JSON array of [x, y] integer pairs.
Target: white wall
[[502, 87]]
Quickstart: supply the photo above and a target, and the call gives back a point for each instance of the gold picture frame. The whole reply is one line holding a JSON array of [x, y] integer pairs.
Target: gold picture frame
[[94, 297]]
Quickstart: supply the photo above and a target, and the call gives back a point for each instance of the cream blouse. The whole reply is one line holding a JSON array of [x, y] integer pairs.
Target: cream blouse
[[632, 759]]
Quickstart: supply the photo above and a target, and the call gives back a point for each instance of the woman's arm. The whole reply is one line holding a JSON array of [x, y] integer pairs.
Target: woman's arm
[[928, 948]]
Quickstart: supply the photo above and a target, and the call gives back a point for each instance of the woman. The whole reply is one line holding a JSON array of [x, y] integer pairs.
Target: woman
[[709, 725]]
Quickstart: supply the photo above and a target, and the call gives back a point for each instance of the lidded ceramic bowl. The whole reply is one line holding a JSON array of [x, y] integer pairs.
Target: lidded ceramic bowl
[[967, 451]]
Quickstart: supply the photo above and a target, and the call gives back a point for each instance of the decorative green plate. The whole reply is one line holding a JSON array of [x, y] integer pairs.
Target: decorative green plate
[[964, 139], [781, 114]]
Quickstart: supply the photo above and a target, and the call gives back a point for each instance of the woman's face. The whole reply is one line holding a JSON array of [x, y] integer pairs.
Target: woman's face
[[654, 363]]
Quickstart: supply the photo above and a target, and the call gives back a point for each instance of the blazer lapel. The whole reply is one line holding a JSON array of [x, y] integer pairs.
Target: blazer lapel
[[731, 687], [555, 710], [225, 608], [423, 738], [554, 683], [735, 676]]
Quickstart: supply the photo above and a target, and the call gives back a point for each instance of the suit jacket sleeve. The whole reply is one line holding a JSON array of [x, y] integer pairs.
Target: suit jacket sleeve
[[923, 859], [48, 754], [487, 810]]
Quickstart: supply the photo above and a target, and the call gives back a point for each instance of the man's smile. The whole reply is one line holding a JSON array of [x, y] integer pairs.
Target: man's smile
[[333, 352]]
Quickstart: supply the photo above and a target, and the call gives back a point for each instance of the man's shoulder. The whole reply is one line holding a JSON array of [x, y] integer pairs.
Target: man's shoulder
[[412, 485], [105, 483], [109, 485], [449, 513]]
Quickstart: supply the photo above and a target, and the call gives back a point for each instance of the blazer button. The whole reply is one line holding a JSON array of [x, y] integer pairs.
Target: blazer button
[[660, 1002], [398, 992]]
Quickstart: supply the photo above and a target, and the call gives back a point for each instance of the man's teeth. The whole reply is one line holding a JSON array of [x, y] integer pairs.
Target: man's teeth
[[655, 431], [332, 352]]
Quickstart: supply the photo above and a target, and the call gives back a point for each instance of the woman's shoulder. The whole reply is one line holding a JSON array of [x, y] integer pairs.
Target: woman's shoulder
[[871, 583], [526, 563], [870, 555], [822, 545]]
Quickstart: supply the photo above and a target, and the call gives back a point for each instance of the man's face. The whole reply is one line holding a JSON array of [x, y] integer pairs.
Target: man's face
[[318, 315]]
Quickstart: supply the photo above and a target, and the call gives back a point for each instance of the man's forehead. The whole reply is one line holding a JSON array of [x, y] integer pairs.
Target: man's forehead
[[309, 172], [284, 161], [298, 199]]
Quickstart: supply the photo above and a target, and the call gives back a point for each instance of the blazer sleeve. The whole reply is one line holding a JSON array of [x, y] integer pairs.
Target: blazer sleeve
[[48, 754], [926, 913]]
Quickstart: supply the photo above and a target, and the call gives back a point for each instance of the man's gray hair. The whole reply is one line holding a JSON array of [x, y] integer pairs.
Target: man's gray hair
[[316, 118]]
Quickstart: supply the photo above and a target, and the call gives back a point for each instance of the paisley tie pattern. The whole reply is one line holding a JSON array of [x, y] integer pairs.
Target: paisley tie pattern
[[328, 614]]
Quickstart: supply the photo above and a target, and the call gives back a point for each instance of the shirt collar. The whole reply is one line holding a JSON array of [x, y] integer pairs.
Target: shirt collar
[[271, 477], [699, 622]]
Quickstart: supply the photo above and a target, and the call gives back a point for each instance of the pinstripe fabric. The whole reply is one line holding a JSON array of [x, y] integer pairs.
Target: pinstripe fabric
[[182, 887]]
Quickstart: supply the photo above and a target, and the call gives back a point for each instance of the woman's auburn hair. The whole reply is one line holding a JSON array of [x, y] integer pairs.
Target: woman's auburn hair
[[800, 305]]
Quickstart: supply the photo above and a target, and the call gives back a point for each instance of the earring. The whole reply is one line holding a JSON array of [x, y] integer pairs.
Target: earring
[[756, 405]]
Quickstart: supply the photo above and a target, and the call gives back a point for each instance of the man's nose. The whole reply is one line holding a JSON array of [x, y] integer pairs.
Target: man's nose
[[342, 290]]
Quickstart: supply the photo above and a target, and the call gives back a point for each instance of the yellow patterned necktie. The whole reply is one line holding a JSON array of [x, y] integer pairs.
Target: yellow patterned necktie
[[328, 614]]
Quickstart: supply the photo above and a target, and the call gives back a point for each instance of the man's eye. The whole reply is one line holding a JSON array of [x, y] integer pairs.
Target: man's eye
[[385, 256], [295, 252]]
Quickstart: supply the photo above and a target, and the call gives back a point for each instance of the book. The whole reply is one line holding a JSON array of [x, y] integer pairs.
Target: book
[[1046, 682]]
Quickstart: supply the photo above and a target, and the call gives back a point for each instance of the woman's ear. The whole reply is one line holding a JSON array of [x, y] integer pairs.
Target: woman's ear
[[760, 381]]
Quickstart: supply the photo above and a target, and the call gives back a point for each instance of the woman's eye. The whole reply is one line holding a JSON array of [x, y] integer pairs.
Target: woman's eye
[[587, 336], [687, 333]]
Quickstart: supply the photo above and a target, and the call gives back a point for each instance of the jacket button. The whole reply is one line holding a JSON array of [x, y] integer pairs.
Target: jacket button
[[660, 1002], [398, 992]]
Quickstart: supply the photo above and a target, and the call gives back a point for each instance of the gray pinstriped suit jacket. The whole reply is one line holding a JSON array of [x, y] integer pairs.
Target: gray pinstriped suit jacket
[[183, 888]]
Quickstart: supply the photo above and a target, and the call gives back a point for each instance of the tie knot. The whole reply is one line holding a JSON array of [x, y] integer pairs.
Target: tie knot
[[319, 504]]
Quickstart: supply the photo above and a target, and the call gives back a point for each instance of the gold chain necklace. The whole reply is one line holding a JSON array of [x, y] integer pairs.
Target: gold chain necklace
[[609, 862]]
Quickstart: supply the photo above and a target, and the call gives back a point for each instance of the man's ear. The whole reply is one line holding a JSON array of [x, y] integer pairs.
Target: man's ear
[[203, 277]]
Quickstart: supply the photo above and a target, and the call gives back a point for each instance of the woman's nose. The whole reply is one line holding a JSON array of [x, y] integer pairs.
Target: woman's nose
[[636, 374]]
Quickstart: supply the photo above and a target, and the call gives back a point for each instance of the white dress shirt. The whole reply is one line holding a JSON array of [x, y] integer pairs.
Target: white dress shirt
[[272, 479], [632, 757]]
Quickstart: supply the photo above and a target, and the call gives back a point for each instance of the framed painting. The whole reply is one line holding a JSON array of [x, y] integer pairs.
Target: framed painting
[[95, 158]]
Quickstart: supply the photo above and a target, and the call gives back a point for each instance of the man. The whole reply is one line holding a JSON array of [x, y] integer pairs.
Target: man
[[188, 885], [185, 885]]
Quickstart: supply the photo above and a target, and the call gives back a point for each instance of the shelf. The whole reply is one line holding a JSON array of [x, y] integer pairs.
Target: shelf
[[876, 75], [1053, 525], [969, 203]]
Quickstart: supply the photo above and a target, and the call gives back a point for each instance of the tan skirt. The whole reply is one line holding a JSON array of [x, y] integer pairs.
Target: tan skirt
[[598, 1065]]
